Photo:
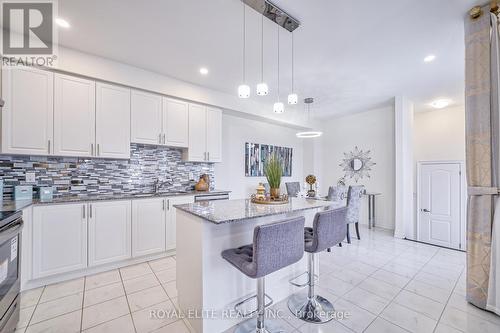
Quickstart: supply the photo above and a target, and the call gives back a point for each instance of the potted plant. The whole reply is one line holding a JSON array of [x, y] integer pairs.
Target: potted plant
[[274, 170]]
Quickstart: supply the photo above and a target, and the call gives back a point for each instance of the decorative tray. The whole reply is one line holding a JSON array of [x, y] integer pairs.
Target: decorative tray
[[282, 199]]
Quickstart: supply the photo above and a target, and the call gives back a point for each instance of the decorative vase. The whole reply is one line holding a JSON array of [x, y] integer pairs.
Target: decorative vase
[[201, 185], [275, 193]]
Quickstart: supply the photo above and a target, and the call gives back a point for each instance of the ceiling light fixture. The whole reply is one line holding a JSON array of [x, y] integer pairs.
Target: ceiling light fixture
[[440, 103], [430, 58], [279, 107], [292, 97], [309, 134], [62, 23], [262, 88], [203, 71], [244, 89]]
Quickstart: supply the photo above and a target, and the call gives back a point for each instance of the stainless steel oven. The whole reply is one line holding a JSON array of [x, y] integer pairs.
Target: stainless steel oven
[[11, 224]]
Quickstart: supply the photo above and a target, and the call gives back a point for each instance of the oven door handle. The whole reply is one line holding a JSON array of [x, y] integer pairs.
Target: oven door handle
[[10, 231]]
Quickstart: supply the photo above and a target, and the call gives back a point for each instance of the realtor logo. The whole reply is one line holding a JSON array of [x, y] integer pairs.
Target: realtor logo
[[28, 35]]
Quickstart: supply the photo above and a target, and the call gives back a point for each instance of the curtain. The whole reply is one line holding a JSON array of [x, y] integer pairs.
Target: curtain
[[481, 99], [493, 300]]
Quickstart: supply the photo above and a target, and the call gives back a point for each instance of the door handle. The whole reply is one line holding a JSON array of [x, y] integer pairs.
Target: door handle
[[425, 210]]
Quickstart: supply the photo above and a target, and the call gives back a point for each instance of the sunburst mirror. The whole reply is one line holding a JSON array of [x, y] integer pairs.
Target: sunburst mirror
[[357, 164]]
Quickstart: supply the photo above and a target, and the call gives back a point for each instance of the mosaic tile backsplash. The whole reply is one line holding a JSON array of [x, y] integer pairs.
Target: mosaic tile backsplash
[[72, 176]]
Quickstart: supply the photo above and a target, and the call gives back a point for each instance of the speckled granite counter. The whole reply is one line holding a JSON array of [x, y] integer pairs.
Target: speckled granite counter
[[7, 205], [226, 211]]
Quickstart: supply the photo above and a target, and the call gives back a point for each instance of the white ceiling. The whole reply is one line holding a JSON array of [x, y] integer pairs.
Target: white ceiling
[[350, 55]]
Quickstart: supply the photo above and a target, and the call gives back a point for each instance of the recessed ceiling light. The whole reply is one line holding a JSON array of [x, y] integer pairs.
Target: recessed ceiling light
[[440, 103], [62, 23], [203, 71], [430, 58]]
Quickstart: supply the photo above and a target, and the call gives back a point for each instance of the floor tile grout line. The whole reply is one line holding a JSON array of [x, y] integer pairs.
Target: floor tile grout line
[[36, 306], [83, 302], [128, 303]]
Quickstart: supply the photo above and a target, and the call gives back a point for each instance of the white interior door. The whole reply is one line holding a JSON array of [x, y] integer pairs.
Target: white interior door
[[439, 212]]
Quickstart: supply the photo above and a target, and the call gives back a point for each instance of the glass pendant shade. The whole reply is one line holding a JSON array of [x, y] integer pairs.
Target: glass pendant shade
[[262, 89], [293, 99], [279, 107], [244, 91]]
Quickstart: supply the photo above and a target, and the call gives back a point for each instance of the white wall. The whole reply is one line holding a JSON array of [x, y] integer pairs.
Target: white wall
[[371, 130], [236, 131], [440, 135]]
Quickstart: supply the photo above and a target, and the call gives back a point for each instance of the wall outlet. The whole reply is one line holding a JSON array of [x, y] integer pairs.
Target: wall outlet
[[30, 177], [191, 176]]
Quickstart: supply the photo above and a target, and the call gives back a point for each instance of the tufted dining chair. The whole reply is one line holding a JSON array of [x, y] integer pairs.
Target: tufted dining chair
[[337, 193], [354, 196], [292, 188]]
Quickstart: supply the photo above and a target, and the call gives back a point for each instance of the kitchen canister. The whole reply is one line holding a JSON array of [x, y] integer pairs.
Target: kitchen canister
[[23, 192], [46, 193]]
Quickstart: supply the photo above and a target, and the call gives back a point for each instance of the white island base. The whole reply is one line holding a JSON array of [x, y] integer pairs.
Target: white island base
[[208, 286]]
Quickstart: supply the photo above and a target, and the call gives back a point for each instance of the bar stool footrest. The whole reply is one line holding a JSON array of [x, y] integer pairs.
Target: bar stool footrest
[[300, 285], [237, 306]]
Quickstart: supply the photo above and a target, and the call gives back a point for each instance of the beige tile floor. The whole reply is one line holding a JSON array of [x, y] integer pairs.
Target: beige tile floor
[[386, 285]]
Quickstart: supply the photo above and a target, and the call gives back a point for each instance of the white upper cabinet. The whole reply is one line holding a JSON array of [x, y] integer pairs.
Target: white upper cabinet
[[27, 117], [148, 226], [74, 116], [197, 151], [175, 123], [214, 135], [205, 134], [109, 232], [146, 118], [112, 121], [59, 239]]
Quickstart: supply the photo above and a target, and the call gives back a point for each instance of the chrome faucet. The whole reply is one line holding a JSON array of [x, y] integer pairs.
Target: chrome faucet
[[158, 185]]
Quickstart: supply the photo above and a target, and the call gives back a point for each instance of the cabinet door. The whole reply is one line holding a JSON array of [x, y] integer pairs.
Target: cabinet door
[[109, 232], [146, 118], [27, 117], [171, 223], [59, 239], [74, 116], [148, 226], [197, 133], [214, 135], [175, 123], [112, 121]]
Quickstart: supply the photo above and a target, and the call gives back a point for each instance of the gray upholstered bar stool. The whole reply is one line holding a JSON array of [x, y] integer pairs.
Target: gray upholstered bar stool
[[274, 247], [329, 229]]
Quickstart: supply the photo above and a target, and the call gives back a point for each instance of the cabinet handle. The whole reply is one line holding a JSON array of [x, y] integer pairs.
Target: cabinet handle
[[98, 150], [90, 210], [168, 204], [91, 149], [83, 211], [49, 145], [208, 154], [205, 156], [159, 138], [163, 204], [164, 141]]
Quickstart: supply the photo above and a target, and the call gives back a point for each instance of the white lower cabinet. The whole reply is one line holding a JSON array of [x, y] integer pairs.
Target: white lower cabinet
[[109, 231], [171, 224], [59, 239], [148, 226]]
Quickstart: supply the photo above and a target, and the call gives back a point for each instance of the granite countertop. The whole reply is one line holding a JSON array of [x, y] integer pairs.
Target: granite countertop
[[226, 211], [7, 205]]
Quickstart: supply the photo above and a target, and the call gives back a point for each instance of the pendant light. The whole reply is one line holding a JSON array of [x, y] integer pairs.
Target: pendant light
[[278, 107], [309, 134], [244, 89], [292, 97], [262, 88]]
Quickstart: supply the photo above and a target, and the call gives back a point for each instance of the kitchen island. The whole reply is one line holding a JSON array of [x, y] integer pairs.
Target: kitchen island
[[208, 286]]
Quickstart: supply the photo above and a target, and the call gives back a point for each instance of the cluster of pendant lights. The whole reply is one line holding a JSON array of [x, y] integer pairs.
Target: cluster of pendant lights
[[262, 87]]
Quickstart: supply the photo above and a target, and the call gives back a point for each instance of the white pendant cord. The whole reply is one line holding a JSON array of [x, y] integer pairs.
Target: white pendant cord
[[244, 42], [293, 66], [278, 64], [262, 49]]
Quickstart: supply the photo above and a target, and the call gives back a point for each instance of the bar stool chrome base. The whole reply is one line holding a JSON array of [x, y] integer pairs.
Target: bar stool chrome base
[[250, 326], [316, 310]]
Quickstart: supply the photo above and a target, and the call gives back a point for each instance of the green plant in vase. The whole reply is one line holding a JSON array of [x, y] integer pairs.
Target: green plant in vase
[[274, 170]]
